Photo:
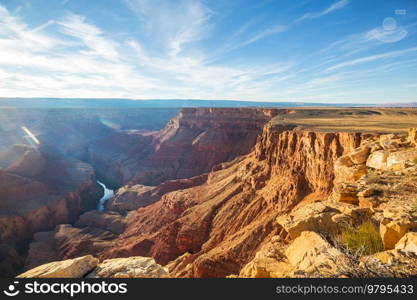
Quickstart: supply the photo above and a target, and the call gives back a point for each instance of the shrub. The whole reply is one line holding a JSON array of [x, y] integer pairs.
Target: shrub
[[415, 160], [364, 239]]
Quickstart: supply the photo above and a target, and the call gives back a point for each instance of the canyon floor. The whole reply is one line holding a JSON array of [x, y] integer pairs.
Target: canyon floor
[[209, 192]]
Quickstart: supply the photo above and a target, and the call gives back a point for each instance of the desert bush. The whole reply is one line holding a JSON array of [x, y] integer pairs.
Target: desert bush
[[364, 239]]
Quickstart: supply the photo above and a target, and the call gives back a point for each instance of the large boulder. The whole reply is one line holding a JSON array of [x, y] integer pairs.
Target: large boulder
[[70, 268], [312, 217], [408, 242], [394, 226], [310, 253], [377, 160], [269, 262], [129, 267], [399, 160]]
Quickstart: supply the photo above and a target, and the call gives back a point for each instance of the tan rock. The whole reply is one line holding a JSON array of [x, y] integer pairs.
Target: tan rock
[[392, 230], [412, 136], [346, 193], [70, 268], [346, 174], [312, 217], [311, 253], [360, 155], [269, 262], [377, 160], [130, 267], [408, 242], [398, 160]]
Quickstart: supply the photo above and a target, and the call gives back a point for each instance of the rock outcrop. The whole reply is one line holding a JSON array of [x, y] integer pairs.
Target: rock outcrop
[[71, 268], [90, 267], [130, 267]]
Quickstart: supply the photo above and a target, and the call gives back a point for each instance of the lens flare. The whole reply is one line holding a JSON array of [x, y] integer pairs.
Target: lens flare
[[30, 134]]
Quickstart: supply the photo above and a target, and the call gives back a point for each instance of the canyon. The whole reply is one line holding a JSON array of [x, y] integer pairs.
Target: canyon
[[216, 192]]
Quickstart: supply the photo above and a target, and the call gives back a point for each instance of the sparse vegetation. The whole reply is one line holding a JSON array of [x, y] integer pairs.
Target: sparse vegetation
[[415, 160], [364, 239]]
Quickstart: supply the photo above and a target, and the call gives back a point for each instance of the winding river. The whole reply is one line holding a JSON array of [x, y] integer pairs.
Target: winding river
[[107, 195]]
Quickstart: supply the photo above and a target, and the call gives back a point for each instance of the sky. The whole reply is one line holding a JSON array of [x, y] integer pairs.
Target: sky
[[331, 51]]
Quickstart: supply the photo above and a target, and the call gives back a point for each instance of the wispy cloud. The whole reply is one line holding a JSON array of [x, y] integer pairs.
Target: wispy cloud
[[91, 36], [335, 6], [371, 58], [175, 24]]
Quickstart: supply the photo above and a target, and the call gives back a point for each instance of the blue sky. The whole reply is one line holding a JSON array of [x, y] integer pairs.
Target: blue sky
[[266, 50]]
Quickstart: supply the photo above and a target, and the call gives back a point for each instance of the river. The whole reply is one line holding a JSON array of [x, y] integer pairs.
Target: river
[[107, 195]]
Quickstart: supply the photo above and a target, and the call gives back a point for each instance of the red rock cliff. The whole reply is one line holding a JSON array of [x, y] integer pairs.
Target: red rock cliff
[[189, 145], [213, 229]]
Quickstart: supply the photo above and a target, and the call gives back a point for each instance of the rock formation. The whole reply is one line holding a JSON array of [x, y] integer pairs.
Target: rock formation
[[189, 145], [40, 190], [222, 222], [90, 267]]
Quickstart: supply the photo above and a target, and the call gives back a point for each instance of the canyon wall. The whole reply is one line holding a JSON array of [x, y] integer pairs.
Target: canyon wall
[[37, 192], [213, 229], [189, 145]]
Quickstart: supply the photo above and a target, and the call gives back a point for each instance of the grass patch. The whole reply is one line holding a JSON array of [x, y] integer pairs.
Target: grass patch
[[364, 239]]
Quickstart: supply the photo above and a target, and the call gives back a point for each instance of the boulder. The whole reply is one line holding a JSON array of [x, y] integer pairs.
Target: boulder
[[269, 262], [129, 267], [412, 136], [346, 193], [312, 217], [70, 268], [377, 160], [359, 155], [310, 253], [393, 228], [398, 160], [408, 242]]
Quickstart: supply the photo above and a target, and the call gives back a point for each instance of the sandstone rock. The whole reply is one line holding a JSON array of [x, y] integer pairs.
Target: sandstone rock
[[312, 217], [377, 160], [359, 155], [398, 160], [412, 136], [269, 262], [346, 193], [392, 229], [408, 242], [130, 267], [311, 253], [344, 174], [71, 268]]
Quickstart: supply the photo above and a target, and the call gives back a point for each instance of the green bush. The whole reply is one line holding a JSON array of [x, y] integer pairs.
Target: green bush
[[364, 239]]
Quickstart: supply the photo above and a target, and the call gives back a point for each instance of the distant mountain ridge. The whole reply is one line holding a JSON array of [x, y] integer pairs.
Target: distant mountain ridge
[[154, 103]]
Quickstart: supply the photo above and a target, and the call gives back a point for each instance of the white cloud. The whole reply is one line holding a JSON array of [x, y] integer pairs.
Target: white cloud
[[372, 58], [175, 24], [335, 6], [91, 36]]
